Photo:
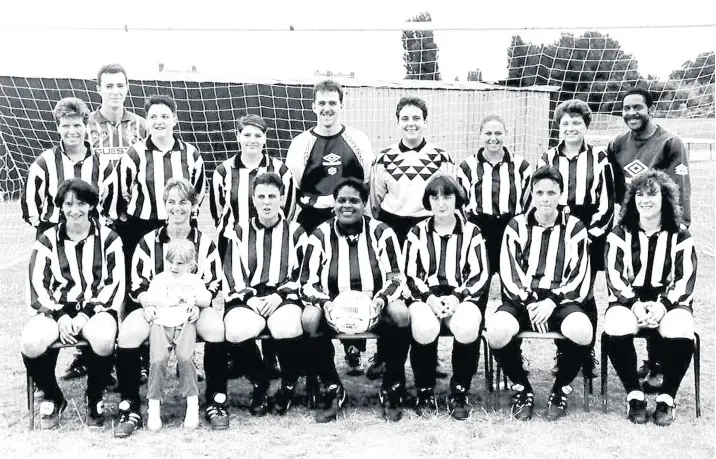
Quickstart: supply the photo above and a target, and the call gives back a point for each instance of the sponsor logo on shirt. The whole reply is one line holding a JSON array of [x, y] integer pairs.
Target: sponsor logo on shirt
[[635, 168], [332, 161], [681, 169], [111, 152]]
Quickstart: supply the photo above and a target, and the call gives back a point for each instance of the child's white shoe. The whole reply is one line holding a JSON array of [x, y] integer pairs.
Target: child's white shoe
[[154, 420], [191, 420]]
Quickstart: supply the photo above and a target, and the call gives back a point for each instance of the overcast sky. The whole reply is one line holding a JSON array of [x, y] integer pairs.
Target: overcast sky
[[30, 49]]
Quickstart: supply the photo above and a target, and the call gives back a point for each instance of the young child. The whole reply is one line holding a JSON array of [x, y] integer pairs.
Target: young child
[[176, 294]]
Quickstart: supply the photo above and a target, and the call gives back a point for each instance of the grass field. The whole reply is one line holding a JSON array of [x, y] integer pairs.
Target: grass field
[[360, 431]]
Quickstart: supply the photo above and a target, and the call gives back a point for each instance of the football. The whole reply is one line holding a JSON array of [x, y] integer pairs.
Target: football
[[352, 313]]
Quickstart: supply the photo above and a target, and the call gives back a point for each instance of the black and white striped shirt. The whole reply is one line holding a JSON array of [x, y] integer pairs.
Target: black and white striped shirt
[[496, 190], [260, 261], [230, 192], [641, 267], [52, 168], [89, 272], [457, 260], [550, 259], [148, 260], [588, 186], [144, 170], [370, 262]]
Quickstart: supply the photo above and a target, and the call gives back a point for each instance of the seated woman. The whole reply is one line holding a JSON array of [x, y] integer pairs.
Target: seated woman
[[447, 272], [261, 267], [544, 266], [651, 271], [76, 288], [180, 201], [352, 252]]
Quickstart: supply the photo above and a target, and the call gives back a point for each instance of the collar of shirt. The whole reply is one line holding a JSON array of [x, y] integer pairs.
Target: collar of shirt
[[62, 230], [259, 226], [404, 149], [178, 145], [163, 235], [127, 117], [313, 131], [456, 230], [239, 164], [350, 237], [506, 157], [61, 149], [562, 216], [583, 148]]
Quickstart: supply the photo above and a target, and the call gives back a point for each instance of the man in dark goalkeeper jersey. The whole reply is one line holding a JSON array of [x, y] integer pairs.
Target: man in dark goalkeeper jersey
[[319, 159]]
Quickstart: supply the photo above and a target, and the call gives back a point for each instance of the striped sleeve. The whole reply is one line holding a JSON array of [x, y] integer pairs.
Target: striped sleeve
[[297, 240], [680, 290], [109, 190], [217, 196], [312, 291], [414, 270], [289, 192], [604, 197], [127, 173], [576, 280], [391, 261], [40, 274], [209, 261], [111, 290], [35, 192], [526, 174], [515, 283], [197, 174], [142, 269], [477, 272], [618, 270], [236, 289], [378, 185]]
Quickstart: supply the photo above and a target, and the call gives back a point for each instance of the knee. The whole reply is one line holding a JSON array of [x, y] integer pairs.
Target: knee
[[33, 348], [102, 346], [620, 321], [311, 320], [677, 323], [425, 330], [577, 328], [465, 325], [285, 329], [237, 334], [398, 313], [501, 328], [210, 326]]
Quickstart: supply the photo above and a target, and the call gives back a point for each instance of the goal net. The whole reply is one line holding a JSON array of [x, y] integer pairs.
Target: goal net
[[588, 65]]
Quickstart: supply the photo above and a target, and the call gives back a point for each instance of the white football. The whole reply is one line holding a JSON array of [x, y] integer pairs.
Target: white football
[[352, 313]]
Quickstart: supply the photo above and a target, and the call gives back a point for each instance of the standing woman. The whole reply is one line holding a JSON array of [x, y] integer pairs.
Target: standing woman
[[651, 271], [180, 202], [147, 166], [446, 269], [76, 288], [261, 267], [588, 186], [497, 184]]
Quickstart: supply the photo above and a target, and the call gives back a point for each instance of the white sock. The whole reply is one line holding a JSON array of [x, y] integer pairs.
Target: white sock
[[191, 420], [635, 395], [666, 398], [154, 419]]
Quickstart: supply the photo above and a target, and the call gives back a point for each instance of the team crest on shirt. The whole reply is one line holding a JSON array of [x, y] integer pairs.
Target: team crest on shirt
[[681, 169], [332, 161], [635, 168]]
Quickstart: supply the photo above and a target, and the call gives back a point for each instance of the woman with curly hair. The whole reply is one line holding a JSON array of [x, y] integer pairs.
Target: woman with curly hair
[[651, 271]]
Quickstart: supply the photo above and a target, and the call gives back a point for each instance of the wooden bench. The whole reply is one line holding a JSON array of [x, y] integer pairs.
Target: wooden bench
[[368, 335], [552, 336], [645, 335]]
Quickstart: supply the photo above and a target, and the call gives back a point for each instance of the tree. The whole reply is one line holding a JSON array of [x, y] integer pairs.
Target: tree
[[421, 52], [700, 70]]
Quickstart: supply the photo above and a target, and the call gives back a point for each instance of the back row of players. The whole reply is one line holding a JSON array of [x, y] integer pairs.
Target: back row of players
[[445, 227]]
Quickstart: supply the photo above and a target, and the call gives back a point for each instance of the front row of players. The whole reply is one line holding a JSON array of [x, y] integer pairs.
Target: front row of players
[[77, 283]]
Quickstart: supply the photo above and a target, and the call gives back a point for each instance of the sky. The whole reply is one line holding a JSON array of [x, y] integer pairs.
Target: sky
[[50, 39]]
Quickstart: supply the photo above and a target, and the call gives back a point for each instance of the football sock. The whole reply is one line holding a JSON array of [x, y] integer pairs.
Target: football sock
[[571, 360], [423, 360], [676, 360], [464, 363], [622, 353], [509, 358], [129, 375], [216, 368]]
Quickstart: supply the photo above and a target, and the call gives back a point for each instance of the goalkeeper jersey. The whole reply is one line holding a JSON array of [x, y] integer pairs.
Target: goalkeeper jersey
[[496, 190], [111, 140], [552, 259], [230, 192], [660, 267], [144, 171], [53, 167], [369, 262], [148, 260], [438, 264], [89, 272], [588, 186], [318, 163], [399, 176], [260, 261]]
